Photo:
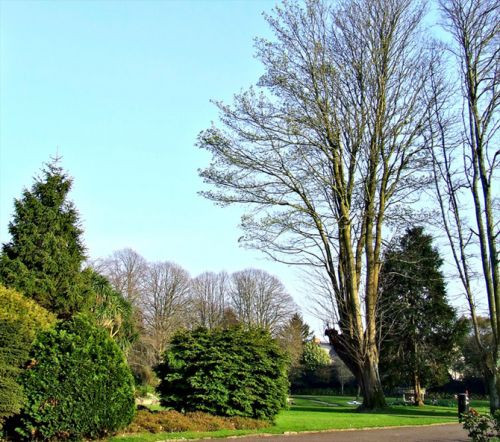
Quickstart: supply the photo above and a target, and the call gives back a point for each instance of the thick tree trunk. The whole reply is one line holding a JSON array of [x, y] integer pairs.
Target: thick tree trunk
[[366, 372], [492, 383], [492, 378], [373, 396], [418, 391]]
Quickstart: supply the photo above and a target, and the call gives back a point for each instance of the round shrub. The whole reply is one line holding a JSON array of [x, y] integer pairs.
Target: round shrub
[[226, 372], [77, 384]]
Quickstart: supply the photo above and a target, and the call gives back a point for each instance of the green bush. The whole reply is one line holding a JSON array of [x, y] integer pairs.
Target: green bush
[[77, 385], [226, 372], [20, 320]]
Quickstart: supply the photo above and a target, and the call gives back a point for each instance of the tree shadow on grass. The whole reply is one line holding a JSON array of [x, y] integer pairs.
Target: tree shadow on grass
[[401, 412]]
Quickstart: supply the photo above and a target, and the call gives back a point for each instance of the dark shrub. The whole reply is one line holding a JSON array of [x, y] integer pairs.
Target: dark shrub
[[226, 372], [77, 384]]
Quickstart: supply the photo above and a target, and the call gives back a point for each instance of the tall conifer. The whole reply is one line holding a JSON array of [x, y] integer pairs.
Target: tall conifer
[[44, 256], [419, 329]]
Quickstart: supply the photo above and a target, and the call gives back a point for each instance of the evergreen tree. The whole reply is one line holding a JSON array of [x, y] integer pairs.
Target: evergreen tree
[[292, 336], [419, 328], [44, 256]]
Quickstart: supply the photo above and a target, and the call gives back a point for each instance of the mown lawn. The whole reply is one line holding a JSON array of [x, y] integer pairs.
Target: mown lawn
[[316, 413]]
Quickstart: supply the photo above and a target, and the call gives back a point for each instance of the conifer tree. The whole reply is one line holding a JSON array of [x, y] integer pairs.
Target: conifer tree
[[44, 256], [419, 328]]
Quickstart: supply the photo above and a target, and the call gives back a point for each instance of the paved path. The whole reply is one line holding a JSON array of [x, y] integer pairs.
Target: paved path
[[428, 433]]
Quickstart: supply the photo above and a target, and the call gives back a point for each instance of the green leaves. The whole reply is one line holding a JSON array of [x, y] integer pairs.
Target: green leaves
[[229, 372], [78, 385], [45, 254], [420, 328]]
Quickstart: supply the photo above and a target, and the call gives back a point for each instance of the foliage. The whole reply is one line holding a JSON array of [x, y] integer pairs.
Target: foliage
[[314, 357], [45, 253], [14, 307], [77, 384], [292, 337], [227, 372], [14, 349], [111, 310], [20, 320], [172, 421], [420, 328], [482, 427], [470, 361]]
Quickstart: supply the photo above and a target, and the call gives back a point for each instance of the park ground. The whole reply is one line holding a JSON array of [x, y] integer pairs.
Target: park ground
[[322, 413]]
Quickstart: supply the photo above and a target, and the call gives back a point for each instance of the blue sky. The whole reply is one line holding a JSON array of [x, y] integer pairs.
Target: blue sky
[[121, 89]]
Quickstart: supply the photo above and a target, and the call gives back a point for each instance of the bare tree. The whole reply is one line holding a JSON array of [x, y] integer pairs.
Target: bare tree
[[465, 162], [329, 151], [208, 301], [125, 270], [341, 372], [260, 299], [164, 302]]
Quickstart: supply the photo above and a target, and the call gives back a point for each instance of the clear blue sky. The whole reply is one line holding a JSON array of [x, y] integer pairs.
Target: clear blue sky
[[121, 89]]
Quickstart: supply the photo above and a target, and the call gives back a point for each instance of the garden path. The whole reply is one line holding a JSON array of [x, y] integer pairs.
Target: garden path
[[427, 433]]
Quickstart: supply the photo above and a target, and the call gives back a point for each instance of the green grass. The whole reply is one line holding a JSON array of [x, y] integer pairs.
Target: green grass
[[317, 413]]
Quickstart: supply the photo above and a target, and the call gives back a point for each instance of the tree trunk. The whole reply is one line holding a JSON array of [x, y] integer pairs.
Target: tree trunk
[[366, 371], [418, 391], [373, 396], [492, 379]]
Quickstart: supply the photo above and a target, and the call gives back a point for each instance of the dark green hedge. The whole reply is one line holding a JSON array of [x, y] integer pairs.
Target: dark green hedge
[[227, 372], [77, 385]]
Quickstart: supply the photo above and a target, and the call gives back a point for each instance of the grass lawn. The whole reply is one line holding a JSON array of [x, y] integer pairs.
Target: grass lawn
[[316, 413]]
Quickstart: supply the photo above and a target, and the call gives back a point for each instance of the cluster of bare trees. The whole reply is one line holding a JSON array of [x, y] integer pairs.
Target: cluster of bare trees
[[354, 118], [166, 298]]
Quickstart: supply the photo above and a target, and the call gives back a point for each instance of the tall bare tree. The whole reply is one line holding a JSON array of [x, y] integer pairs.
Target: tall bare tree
[[260, 299], [466, 157], [209, 298], [328, 151], [165, 302], [125, 270]]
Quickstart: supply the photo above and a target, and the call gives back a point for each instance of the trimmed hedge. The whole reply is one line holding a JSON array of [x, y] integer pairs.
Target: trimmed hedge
[[77, 385], [226, 372]]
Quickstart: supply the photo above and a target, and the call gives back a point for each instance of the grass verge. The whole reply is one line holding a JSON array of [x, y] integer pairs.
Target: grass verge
[[319, 413]]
